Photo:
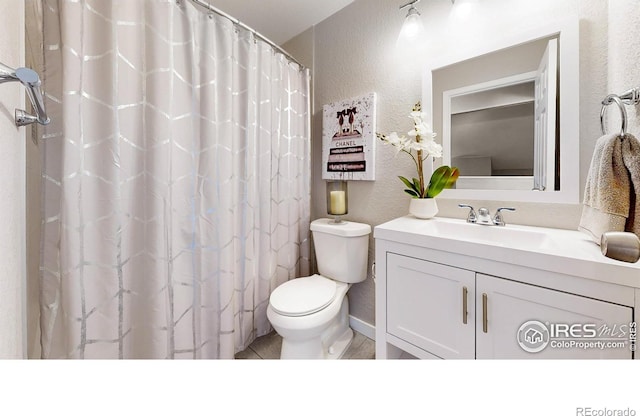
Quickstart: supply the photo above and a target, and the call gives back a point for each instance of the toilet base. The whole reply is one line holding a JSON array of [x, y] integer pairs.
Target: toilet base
[[340, 346], [330, 340], [312, 348]]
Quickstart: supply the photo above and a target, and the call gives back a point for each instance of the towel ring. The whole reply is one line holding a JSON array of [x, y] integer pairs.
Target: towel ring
[[612, 98]]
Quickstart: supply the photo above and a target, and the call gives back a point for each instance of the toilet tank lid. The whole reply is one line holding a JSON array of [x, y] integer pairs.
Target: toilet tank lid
[[343, 229]]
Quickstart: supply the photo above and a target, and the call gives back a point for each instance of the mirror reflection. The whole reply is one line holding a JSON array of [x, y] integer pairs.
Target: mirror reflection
[[492, 137], [499, 123]]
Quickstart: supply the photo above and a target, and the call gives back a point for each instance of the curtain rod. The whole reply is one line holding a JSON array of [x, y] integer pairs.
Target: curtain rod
[[253, 31]]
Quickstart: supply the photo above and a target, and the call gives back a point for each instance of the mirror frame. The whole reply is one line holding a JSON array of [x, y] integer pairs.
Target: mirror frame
[[569, 110]]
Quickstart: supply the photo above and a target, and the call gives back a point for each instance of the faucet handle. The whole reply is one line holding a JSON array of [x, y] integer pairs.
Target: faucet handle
[[498, 219], [472, 217]]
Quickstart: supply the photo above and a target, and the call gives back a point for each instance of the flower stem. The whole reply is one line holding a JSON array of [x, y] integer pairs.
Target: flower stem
[[415, 162], [420, 170]]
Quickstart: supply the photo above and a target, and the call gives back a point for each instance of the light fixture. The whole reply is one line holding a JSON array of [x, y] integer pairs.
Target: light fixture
[[412, 27], [463, 8]]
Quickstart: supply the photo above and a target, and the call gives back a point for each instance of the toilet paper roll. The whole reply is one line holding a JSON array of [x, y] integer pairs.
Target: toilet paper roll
[[620, 246]]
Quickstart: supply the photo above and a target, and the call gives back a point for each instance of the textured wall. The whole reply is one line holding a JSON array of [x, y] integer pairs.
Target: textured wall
[[354, 52], [624, 53], [12, 167]]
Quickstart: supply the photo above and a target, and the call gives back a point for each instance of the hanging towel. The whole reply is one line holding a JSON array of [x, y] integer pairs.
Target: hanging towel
[[610, 197]]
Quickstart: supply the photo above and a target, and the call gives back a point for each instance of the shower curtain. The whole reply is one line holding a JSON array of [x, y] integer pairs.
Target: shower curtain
[[176, 180]]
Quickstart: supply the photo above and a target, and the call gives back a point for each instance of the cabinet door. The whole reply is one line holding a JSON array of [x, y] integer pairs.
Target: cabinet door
[[509, 313], [425, 305]]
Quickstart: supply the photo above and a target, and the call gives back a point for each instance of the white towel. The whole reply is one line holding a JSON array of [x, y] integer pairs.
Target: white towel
[[610, 202]]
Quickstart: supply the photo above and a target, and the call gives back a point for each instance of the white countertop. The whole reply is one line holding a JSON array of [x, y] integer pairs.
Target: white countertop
[[561, 251]]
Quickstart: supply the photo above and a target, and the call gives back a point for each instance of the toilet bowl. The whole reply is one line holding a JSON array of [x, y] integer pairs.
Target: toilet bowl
[[312, 313], [318, 330]]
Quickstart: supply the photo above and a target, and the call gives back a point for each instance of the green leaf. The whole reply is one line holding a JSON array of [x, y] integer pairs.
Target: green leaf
[[405, 181], [437, 182], [411, 192], [443, 177], [455, 172], [416, 184], [409, 184]]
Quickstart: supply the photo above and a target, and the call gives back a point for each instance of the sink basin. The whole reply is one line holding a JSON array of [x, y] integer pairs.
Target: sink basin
[[508, 236], [454, 241]]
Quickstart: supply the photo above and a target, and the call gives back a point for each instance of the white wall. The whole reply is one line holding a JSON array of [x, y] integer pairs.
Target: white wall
[[624, 54], [12, 191], [354, 52]]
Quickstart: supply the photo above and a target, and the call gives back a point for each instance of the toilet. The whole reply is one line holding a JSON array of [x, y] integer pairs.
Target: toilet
[[312, 313]]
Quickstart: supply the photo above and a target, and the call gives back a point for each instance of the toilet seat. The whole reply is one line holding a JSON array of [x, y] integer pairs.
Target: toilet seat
[[303, 296]]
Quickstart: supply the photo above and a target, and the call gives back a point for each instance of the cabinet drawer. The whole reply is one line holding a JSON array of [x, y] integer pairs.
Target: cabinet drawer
[[425, 303]]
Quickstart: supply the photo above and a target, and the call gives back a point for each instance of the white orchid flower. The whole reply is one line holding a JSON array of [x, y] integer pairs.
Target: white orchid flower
[[400, 143], [417, 146], [433, 148], [394, 139], [421, 140], [423, 146], [417, 116], [427, 146], [423, 129]]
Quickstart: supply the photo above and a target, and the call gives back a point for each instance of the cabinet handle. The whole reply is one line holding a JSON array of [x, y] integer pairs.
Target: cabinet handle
[[485, 322], [465, 292]]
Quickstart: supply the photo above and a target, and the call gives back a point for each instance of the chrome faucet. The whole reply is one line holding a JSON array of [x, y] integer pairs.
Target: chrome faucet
[[30, 79], [472, 217], [498, 219], [483, 217]]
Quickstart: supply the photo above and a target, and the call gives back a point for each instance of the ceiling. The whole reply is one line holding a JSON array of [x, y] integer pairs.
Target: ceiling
[[280, 20]]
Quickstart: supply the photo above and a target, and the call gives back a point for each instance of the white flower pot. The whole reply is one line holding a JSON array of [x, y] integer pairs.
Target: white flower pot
[[423, 208]]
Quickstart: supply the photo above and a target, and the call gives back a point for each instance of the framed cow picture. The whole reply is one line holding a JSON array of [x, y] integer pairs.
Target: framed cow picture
[[348, 139]]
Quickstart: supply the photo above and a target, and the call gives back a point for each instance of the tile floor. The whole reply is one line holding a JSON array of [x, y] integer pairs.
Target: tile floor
[[268, 347]]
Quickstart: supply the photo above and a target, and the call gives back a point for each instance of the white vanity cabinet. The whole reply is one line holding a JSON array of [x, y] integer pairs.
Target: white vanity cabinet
[[482, 299], [428, 306], [502, 306]]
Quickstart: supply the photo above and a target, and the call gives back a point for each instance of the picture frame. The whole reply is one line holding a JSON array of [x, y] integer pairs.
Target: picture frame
[[348, 139]]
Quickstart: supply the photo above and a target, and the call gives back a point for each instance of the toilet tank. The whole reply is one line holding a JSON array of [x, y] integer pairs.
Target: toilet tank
[[341, 249]]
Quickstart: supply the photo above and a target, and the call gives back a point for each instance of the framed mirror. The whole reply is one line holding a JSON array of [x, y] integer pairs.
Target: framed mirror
[[508, 116]]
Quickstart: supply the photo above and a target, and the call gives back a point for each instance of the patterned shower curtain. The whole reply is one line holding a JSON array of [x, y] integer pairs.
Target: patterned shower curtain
[[176, 180]]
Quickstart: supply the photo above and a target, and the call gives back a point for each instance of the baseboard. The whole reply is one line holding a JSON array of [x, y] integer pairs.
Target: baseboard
[[362, 327]]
